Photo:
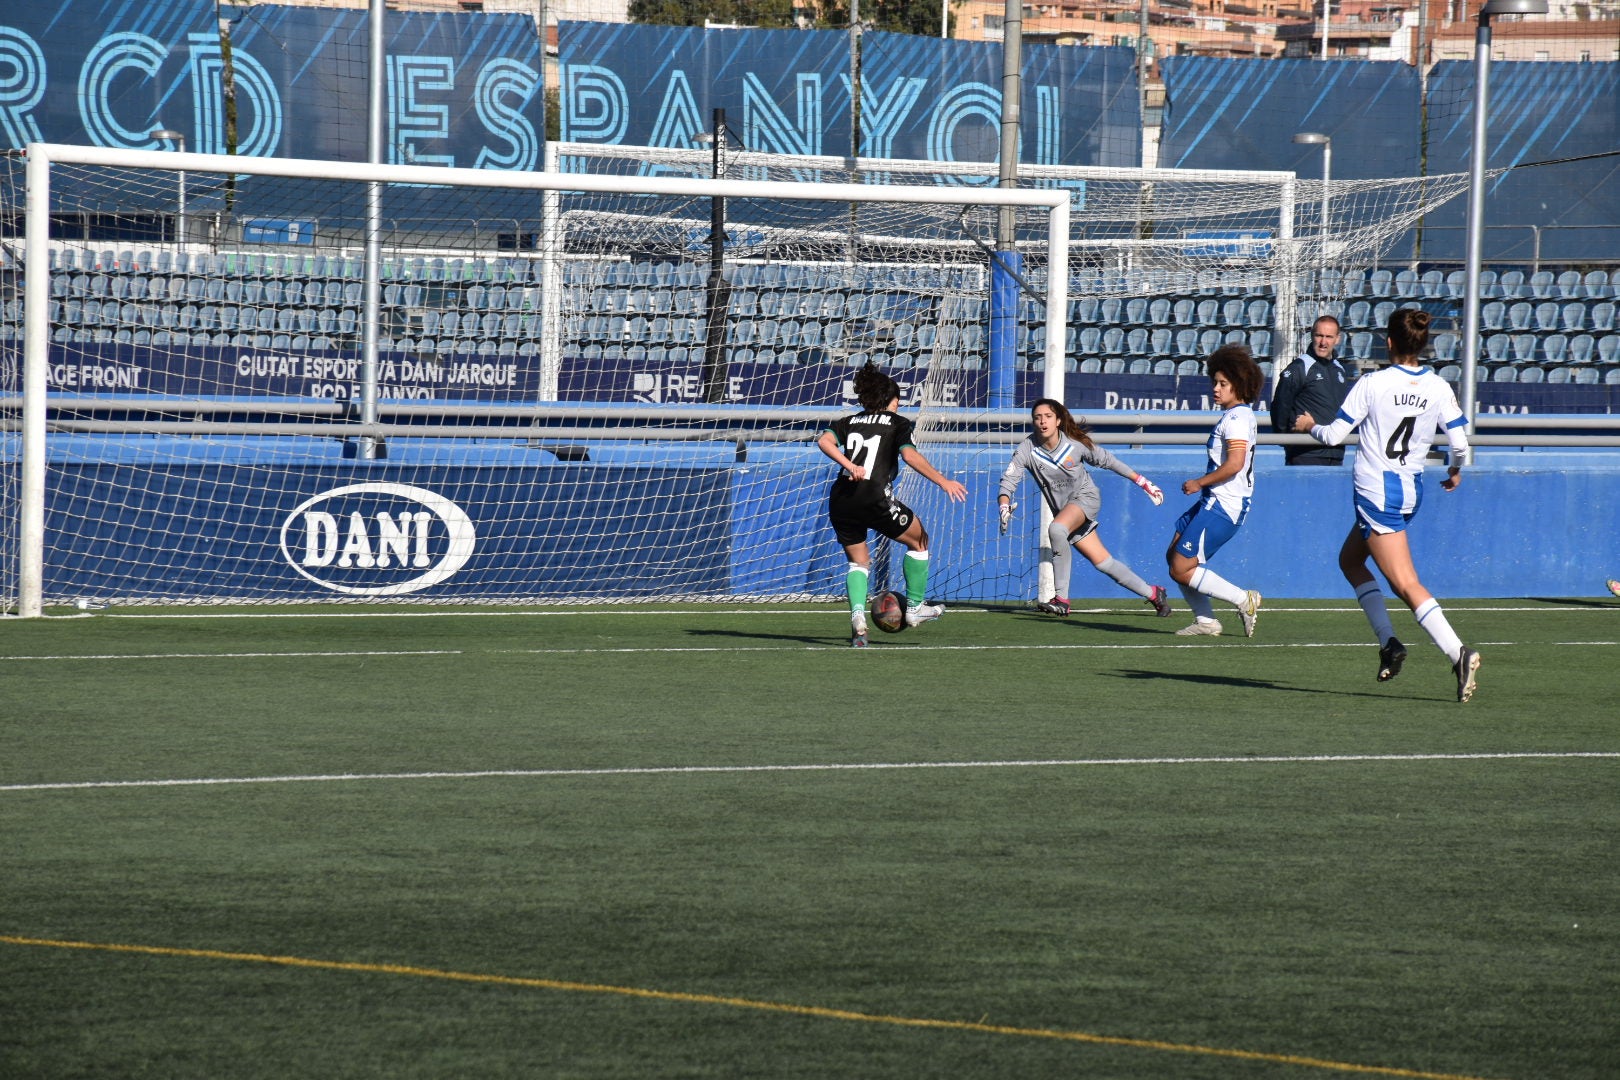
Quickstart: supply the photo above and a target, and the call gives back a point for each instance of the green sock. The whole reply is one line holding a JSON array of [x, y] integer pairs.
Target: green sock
[[855, 583], [915, 566]]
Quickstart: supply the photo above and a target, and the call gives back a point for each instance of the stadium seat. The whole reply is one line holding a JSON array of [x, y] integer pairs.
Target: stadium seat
[[1090, 365], [1505, 373], [1585, 376], [1381, 283], [1136, 311], [1406, 285], [1570, 285], [1524, 348], [1602, 316], [1432, 284], [1164, 366], [1162, 341], [1361, 343], [1089, 341], [1208, 312], [1532, 374], [1612, 377], [1234, 312], [1445, 347], [1555, 348], [1581, 348], [1111, 309], [1546, 316], [1136, 341], [1113, 365], [1596, 285], [1607, 347], [1456, 284], [1451, 373], [1520, 315], [1489, 288], [1187, 342], [1497, 348], [1559, 375], [1209, 341], [1258, 313], [1543, 285], [1183, 312], [1190, 367], [1572, 316], [1160, 311]]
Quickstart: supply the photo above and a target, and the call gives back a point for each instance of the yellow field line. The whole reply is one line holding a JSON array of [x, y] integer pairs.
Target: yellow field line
[[741, 1003]]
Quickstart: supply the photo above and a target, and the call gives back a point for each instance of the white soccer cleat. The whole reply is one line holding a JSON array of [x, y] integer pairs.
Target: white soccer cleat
[[857, 629], [1250, 611], [1201, 628], [917, 614]]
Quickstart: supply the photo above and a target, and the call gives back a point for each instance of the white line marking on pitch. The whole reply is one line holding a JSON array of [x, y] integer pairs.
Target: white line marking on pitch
[[685, 770], [897, 648]]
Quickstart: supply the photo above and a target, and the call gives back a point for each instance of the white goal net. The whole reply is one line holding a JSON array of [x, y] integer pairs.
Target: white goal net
[[238, 380]]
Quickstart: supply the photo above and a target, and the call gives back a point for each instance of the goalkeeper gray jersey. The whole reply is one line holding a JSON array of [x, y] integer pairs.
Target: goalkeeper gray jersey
[[1061, 473]]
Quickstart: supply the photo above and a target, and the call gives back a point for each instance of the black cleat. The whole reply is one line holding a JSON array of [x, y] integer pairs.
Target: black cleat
[[1056, 606], [1390, 659]]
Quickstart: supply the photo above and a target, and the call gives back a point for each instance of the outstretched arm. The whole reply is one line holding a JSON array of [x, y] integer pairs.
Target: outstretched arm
[[955, 489]]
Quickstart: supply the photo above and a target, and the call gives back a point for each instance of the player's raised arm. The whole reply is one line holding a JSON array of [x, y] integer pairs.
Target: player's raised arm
[[954, 488]]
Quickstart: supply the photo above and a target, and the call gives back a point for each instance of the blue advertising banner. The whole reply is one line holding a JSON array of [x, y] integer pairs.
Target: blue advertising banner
[[1561, 118], [463, 89], [784, 91], [244, 372], [935, 100], [1242, 114]]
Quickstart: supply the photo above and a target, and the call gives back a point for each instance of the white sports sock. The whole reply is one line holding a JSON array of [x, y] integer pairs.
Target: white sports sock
[[1371, 599], [1125, 576], [1197, 602], [1433, 621], [1210, 583]]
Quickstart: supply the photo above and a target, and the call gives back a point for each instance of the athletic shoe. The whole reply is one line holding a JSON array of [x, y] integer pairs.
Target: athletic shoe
[[857, 627], [1160, 602], [1614, 586], [1390, 658], [1201, 629], [1250, 611], [1466, 667], [1055, 606], [917, 614]]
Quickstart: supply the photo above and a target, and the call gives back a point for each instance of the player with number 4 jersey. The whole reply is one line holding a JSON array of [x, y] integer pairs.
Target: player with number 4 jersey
[[1397, 412], [868, 448]]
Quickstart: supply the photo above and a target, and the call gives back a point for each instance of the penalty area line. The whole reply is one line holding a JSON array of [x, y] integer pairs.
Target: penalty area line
[[695, 770], [819, 1012]]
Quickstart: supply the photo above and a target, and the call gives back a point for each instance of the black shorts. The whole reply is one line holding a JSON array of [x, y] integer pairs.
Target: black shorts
[[854, 513]]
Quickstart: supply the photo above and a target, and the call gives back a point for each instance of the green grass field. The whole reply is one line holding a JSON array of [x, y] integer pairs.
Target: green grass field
[[713, 841]]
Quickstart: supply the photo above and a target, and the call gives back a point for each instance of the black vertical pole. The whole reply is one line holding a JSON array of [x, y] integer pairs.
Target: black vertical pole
[[718, 291]]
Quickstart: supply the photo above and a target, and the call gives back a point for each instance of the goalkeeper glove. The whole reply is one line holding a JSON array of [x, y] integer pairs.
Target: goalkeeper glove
[[1006, 515], [1151, 489]]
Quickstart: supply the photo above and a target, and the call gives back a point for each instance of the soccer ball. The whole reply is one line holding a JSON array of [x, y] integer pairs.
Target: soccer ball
[[889, 612]]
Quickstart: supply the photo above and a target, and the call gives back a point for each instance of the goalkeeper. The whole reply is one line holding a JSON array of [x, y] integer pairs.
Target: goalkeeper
[[1056, 455]]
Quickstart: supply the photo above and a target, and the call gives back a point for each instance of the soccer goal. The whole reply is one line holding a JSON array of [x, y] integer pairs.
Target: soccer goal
[[240, 380]]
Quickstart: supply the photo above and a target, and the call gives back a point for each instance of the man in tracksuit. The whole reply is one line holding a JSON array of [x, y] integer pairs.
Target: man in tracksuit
[[1316, 383]]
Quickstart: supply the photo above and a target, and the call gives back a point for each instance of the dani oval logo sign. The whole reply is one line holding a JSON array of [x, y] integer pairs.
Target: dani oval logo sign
[[364, 539]]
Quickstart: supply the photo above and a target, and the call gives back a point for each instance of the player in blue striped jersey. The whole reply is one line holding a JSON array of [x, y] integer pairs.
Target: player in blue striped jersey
[[1224, 492], [1397, 411]]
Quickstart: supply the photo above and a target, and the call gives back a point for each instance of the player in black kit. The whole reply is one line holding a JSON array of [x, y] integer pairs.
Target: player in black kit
[[868, 448]]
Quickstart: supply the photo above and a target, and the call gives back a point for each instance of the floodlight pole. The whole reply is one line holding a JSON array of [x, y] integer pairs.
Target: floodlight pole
[[1316, 138], [1007, 264], [180, 182], [1476, 191], [717, 290], [369, 447]]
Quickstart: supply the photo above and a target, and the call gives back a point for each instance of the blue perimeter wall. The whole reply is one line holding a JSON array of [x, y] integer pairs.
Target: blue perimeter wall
[[1542, 523]]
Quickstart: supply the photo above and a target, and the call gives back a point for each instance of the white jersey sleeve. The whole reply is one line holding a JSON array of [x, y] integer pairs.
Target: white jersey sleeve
[[1397, 412], [1237, 424]]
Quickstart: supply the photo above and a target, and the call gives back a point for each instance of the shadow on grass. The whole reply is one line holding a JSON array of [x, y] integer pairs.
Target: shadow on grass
[[1239, 683]]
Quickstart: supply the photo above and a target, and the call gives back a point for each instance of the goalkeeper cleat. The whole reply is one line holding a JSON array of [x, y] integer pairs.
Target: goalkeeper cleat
[[1160, 601], [1614, 586], [1250, 611], [1056, 606], [1201, 628], [1390, 658], [1466, 667], [857, 627], [917, 614]]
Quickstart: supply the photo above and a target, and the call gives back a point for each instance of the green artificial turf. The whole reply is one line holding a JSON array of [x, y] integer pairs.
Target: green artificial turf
[[713, 841]]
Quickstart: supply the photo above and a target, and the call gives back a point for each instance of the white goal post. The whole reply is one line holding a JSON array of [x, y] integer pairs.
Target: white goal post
[[207, 407]]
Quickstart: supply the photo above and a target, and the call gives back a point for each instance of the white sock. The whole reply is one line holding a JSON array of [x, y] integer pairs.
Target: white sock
[[1126, 577], [1198, 603], [1371, 599], [1210, 583], [1433, 621]]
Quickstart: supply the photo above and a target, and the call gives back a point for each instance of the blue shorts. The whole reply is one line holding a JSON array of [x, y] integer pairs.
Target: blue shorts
[[1203, 530], [1372, 518]]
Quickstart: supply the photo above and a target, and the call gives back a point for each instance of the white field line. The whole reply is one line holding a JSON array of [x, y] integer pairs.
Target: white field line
[[690, 770], [748, 609], [897, 648]]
